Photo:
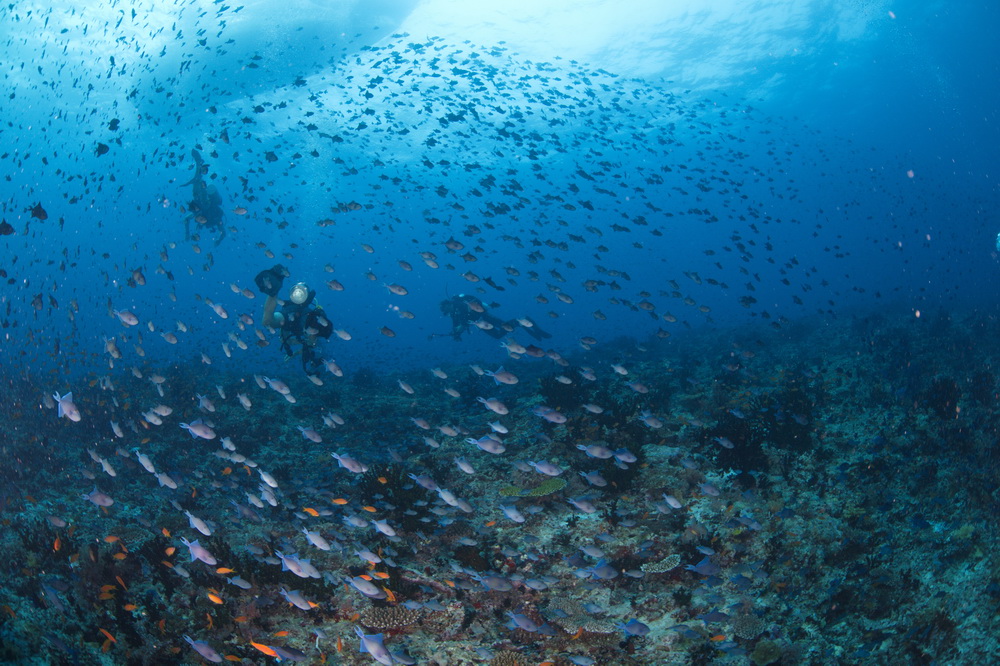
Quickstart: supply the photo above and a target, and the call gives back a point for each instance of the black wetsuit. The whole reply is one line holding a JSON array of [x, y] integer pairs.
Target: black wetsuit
[[298, 320], [462, 316], [206, 203]]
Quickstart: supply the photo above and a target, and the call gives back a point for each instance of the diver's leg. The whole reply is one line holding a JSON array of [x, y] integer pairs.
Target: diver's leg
[[536, 332], [269, 307], [495, 332]]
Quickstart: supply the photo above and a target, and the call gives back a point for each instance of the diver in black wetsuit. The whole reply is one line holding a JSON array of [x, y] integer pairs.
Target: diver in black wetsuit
[[205, 206], [465, 311], [301, 321]]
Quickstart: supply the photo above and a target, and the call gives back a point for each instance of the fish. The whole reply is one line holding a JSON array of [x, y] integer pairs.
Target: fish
[[198, 524], [199, 552], [310, 434], [366, 588], [501, 376], [374, 645], [547, 468], [316, 539], [199, 429], [67, 407], [349, 463], [634, 628], [98, 498], [295, 598], [204, 649]]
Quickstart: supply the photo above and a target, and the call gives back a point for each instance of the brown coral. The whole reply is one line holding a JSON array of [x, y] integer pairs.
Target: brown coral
[[507, 658], [748, 626], [666, 564], [388, 617]]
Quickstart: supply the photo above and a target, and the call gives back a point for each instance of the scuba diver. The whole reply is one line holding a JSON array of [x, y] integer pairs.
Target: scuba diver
[[301, 321], [469, 310], [205, 206]]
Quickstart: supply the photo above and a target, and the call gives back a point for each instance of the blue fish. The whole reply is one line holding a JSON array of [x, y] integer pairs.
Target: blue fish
[[634, 628], [600, 571], [705, 568], [374, 645]]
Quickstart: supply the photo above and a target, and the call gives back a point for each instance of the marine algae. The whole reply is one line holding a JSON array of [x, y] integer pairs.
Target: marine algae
[[546, 487]]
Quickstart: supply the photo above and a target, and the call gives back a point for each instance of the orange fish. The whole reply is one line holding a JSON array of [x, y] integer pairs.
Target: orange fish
[[340, 644], [717, 638], [111, 539], [208, 616], [449, 583], [312, 512], [389, 595], [170, 550], [240, 618], [110, 637], [491, 523], [56, 545], [224, 570], [232, 657], [107, 588], [380, 574], [119, 556], [340, 500], [162, 626], [365, 576], [279, 634], [227, 471], [121, 582], [369, 509], [383, 480], [165, 532], [130, 607], [104, 596], [263, 648], [214, 598]]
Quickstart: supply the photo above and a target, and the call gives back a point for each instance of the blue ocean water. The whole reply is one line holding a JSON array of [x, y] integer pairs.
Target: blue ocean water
[[767, 224]]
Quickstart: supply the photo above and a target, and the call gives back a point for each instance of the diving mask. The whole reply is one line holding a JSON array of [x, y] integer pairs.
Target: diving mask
[[299, 293]]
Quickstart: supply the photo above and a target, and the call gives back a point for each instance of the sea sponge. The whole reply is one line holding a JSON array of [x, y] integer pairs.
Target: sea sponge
[[766, 652]]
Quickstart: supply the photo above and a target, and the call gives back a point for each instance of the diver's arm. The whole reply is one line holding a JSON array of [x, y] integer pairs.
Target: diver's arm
[[269, 307]]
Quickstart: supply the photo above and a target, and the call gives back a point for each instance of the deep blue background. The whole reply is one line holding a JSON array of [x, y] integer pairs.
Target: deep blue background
[[837, 126]]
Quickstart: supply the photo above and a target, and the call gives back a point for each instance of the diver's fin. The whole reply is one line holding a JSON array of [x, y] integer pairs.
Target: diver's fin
[[198, 164]]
